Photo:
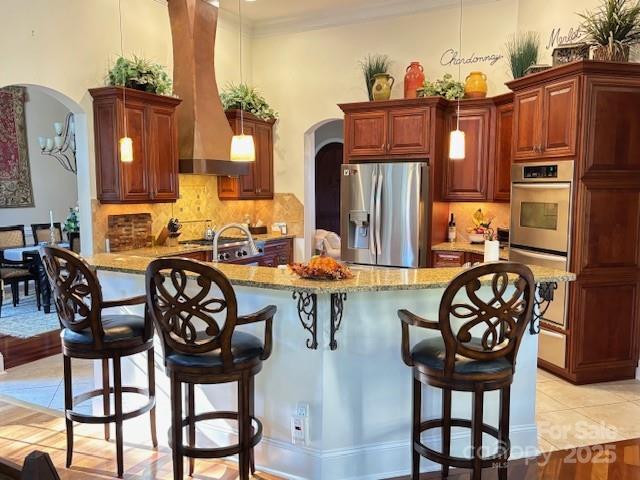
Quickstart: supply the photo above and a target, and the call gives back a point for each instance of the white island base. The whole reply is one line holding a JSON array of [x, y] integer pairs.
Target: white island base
[[359, 394]]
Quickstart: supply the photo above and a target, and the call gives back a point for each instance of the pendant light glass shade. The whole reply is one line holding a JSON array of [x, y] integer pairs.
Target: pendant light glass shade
[[457, 145], [243, 149], [126, 150]]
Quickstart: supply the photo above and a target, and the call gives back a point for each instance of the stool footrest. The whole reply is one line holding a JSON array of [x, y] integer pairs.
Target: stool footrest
[[217, 452], [101, 419], [460, 462]]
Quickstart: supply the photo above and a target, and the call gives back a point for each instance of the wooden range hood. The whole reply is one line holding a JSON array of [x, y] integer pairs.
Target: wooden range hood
[[204, 134]]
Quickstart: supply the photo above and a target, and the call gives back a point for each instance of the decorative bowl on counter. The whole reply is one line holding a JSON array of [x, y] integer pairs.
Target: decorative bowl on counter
[[321, 267], [476, 237]]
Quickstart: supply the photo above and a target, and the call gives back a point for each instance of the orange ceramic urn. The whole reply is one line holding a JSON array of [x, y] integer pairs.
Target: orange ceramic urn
[[413, 79]]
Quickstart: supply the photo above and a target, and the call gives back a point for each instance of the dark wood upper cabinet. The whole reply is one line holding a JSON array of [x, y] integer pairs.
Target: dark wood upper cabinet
[[467, 179], [366, 133], [545, 121], [258, 184], [559, 118], [527, 113], [393, 129], [501, 186], [151, 124], [408, 131]]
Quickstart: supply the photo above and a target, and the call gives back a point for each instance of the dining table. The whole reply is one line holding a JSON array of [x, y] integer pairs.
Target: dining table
[[31, 255]]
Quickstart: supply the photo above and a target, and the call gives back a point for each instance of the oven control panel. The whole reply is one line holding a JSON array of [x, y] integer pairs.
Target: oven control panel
[[541, 171]]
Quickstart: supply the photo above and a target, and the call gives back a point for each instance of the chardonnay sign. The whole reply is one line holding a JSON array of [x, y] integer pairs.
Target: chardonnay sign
[[453, 57]]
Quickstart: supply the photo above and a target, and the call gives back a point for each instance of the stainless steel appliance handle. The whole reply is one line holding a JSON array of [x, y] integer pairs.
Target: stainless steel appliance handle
[[378, 213], [541, 256], [543, 186], [372, 207]]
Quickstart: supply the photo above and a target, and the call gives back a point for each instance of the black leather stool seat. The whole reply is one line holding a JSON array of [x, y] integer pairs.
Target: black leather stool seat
[[116, 328], [244, 347], [431, 354]]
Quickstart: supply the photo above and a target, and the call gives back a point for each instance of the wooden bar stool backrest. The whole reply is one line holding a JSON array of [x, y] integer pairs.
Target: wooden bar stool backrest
[[487, 329], [174, 307], [76, 291]]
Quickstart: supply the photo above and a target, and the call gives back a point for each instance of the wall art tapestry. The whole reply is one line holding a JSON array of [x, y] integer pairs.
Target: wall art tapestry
[[15, 175]]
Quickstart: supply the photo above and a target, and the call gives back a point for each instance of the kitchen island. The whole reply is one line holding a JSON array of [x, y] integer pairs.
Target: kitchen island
[[336, 349]]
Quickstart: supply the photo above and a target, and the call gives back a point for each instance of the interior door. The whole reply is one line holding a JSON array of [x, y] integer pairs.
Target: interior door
[[398, 217], [357, 207]]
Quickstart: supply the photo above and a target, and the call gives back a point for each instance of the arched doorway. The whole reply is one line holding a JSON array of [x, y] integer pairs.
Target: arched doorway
[[318, 136], [328, 162]]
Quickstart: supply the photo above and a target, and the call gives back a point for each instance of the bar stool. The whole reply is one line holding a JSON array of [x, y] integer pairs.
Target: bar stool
[[476, 352], [87, 333], [199, 349]]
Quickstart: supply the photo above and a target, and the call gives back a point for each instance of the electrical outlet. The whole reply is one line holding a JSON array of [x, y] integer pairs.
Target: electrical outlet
[[300, 424]]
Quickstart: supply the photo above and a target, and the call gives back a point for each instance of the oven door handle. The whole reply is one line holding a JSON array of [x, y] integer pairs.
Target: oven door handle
[[541, 256], [541, 186]]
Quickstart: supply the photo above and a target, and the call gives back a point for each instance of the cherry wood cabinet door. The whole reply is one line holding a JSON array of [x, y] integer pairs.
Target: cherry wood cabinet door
[[502, 155], [466, 180], [163, 153], [366, 133], [527, 129], [107, 156], [263, 168], [408, 131], [559, 118], [136, 185], [248, 182]]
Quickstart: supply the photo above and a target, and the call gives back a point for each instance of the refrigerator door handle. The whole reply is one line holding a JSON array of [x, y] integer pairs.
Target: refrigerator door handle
[[372, 207], [378, 213]]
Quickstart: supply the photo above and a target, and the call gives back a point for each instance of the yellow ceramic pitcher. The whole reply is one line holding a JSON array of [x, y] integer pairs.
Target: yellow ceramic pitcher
[[475, 85], [382, 83]]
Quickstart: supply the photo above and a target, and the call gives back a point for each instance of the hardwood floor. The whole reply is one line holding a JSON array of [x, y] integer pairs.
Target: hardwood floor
[[18, 351], [23, 430]]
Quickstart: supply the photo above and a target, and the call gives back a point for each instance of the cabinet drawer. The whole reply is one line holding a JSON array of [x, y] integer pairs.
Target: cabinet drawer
[[448, 259], [203, 256]]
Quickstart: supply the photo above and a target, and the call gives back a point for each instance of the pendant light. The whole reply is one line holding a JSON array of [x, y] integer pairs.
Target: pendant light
[[456, 138], [125, 143], [242, 146]]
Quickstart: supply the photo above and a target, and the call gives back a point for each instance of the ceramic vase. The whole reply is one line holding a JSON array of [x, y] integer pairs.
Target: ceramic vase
[[475, 85], [413, 80], [382, 84]]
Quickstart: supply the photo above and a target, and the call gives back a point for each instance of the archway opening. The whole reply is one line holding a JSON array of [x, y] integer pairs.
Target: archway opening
[[319, 136]]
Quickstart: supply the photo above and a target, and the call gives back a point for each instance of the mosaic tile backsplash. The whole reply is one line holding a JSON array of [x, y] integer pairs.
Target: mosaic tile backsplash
[[463, 213], [199, 201]]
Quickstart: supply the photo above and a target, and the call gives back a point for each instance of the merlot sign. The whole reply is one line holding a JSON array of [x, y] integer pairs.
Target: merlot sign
[[453, 57], [559, 37]]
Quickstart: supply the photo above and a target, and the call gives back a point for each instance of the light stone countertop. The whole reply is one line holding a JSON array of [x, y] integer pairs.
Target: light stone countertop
[[366, 279], [467, 247]]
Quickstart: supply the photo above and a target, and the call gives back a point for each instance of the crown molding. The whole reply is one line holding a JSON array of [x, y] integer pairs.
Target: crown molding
[[375, 10]]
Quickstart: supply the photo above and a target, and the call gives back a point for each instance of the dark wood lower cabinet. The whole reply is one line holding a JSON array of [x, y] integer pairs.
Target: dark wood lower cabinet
[[276, 252], [445, 258]]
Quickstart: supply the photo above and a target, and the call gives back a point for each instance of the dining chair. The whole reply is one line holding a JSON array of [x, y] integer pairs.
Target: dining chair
[[13, 272], [480, 331], [41, 232]]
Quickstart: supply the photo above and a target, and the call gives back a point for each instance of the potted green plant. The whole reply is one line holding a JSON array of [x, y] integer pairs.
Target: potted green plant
[[140, 74], [522, 52], [612, 28], [248, 99], [72, 223], [371, 66], [445, 87]]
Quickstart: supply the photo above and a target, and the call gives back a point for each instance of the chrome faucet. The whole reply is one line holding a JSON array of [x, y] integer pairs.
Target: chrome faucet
[[252, 244]]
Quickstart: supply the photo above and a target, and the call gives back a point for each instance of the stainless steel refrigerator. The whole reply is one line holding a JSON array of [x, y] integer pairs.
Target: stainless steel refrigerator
[[384, 214]]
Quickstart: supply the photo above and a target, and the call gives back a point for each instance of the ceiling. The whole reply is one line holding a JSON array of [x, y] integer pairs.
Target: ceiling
[[276, 16]]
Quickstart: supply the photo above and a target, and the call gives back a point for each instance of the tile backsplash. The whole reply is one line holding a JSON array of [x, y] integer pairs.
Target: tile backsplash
[[463, 213], [129, 231], [199, 201]]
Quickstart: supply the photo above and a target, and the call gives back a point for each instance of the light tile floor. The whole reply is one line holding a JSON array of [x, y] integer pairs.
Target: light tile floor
[[568, 416]]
